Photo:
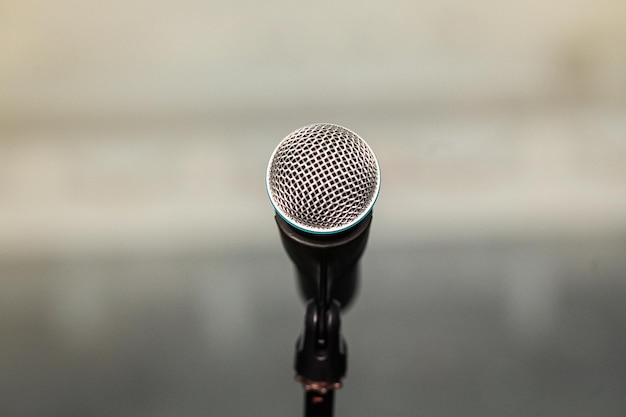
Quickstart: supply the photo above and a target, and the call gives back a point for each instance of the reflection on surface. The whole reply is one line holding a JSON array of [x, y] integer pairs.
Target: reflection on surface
[[477, 328]]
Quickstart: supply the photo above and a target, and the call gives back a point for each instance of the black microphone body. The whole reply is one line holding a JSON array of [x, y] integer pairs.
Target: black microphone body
[[339, 254]]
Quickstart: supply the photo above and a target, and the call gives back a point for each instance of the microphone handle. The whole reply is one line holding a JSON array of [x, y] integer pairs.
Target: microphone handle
[[340, 254], [343, 289]]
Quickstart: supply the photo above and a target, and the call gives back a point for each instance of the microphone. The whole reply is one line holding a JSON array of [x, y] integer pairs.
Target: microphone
[[323, 181]]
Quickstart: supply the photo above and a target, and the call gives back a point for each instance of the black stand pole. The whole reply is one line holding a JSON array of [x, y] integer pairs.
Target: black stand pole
[[317, 404], [320, 361]]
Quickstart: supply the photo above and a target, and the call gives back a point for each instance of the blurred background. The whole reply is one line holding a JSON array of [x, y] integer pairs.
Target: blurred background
[[141, 272]]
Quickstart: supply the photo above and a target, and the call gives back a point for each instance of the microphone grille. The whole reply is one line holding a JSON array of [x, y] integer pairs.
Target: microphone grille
[[323, 178]]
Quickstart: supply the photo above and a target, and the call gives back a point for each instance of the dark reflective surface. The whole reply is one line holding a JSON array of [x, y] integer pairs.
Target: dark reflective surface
[[465, 329]]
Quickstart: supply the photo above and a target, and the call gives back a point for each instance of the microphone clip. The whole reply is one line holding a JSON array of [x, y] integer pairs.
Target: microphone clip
[[321, 351]]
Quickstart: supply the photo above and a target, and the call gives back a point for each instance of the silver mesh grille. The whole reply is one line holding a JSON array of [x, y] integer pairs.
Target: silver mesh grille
[[323, 178]]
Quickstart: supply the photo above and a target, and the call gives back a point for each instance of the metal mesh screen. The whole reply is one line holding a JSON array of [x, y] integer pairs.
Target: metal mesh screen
[[323, 178]]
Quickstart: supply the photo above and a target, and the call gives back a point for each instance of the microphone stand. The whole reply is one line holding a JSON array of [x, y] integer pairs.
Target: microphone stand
[[327, 267], [317, 404], [321, 352]]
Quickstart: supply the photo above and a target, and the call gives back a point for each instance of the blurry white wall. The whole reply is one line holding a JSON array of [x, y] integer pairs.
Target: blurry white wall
[[131, 125]]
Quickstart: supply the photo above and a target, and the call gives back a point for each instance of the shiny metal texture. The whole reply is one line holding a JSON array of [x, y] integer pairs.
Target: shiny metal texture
[[323, 178]]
